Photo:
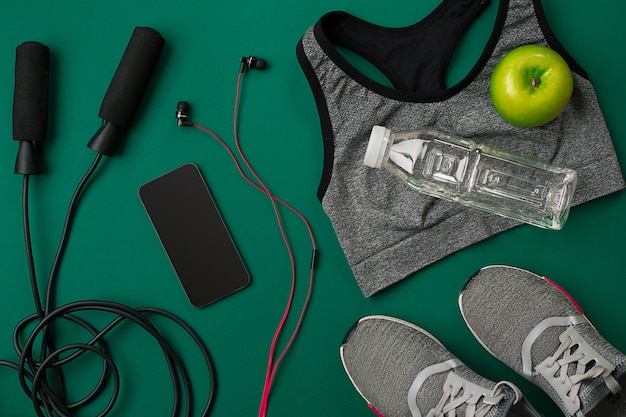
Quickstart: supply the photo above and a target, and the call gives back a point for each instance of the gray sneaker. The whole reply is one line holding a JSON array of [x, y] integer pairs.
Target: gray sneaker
[[402, 371], [532, 325]]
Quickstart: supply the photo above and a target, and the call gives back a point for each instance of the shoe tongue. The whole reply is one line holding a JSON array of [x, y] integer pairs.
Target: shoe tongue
[[595, 391], [504, 406]]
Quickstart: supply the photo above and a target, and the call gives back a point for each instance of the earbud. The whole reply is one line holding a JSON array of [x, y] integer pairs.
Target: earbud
[[252, 62], [181, 114]]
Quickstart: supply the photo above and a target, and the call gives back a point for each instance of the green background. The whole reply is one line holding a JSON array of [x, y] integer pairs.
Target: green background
[[114, 253]]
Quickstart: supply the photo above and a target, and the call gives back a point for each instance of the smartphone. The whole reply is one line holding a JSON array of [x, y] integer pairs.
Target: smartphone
[[194, 235]]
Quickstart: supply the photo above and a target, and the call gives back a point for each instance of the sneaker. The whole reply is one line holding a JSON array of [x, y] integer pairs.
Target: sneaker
[[403, 371], [533, 326]]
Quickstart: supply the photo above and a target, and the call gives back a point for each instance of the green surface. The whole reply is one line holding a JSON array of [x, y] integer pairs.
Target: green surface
[[114, 254]]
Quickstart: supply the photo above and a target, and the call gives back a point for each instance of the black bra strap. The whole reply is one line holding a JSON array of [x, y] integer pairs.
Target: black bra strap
[[413, 58]]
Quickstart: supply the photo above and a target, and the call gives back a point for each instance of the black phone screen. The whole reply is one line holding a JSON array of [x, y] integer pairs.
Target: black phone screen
[[194, 236]]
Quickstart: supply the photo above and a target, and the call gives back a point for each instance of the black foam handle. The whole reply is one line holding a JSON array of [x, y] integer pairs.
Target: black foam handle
[[30, 97], [129, 82]]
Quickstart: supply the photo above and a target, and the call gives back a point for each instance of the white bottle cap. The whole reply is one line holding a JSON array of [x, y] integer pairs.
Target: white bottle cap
[[379, 139]]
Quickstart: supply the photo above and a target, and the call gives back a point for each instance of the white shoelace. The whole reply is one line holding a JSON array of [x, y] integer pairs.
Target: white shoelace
[[477, 402], [574, 351]]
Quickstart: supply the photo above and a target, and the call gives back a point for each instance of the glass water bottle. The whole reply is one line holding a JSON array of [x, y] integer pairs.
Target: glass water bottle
[[475, 175]]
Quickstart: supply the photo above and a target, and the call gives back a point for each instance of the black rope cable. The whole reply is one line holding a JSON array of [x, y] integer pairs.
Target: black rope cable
[[110, 365], [124, 312], [29, 247], [54, 271], [33, 372], [21, 330]]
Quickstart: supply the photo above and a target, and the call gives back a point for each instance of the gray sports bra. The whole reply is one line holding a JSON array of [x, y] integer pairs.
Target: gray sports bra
[[386, 230]]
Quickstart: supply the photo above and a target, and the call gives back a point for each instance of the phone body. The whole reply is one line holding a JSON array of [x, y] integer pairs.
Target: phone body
[[194, 235]]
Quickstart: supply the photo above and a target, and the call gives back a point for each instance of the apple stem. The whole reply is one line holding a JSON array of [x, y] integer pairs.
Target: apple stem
[[535, 82]]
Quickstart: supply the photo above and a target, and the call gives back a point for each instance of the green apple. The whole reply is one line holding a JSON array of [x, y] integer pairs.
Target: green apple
[[531, 85]]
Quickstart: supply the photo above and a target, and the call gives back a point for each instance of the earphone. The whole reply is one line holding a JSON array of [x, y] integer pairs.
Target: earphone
[[252, 62], [182, 119], [182, 109], [249, 62]]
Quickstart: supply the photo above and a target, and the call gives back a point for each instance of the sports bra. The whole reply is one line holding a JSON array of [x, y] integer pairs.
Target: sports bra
[[386, 230]]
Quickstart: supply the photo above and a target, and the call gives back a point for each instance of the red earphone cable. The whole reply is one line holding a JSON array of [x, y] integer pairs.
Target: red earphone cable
[[272, 364]]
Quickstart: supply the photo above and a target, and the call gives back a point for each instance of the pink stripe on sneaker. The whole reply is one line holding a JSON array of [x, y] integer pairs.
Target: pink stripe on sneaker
[[375, 410], [558, 287]]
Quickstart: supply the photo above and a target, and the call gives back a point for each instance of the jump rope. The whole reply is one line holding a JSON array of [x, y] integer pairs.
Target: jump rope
[[41, 373]]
